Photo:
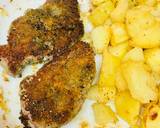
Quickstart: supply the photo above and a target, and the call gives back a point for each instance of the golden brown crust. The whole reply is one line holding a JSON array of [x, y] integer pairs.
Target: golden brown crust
[[42, 32], [56, 93]]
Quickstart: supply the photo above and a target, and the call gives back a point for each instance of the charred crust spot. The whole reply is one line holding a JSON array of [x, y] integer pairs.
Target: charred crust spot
[[24, 120], [153, 116]]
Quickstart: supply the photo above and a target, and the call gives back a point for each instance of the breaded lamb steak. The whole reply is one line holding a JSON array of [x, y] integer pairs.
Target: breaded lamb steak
[[42, 33], [55, 94]]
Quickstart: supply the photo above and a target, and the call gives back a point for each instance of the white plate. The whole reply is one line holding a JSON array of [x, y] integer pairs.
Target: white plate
[[10, 11]]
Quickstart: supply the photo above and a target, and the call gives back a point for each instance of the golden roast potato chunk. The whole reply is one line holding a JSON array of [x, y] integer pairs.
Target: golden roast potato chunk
[[143, 27], [127, 107], [100, 37], [135, 54], [103, 114], [141, 84], [152, 57], [100, 14]]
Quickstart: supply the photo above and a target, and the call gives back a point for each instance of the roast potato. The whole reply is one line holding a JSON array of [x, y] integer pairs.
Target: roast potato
[[127, 107], [135, 54], [119, 50], [121, 83], [118, 14], [152, 57], [103, 114], [100, 37], [119, 34], [140, 82], [143, 27], [99, 15], [106, 82]]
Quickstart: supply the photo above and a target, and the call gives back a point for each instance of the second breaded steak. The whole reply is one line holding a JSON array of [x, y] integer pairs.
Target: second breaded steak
[[56, 93]]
